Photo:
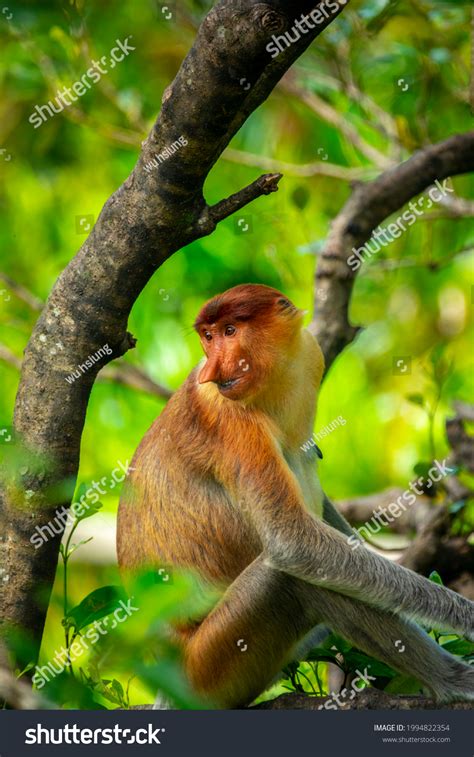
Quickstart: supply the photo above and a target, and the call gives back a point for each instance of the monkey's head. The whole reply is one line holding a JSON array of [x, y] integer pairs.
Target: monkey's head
[[248, 334]]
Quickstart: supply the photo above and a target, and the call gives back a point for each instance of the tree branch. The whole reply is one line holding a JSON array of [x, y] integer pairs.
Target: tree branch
[[433, 547], [367, 699], [368, 206], [336, 119], [22, 293], [305, 170], [120, 373], [133, 377], [7, 356], [212, 215], [358, 510]]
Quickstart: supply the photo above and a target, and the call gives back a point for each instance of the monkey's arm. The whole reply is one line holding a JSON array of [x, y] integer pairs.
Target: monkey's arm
[[301, 545]]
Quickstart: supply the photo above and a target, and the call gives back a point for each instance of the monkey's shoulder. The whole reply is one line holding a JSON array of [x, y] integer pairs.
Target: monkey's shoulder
[[313, 366]]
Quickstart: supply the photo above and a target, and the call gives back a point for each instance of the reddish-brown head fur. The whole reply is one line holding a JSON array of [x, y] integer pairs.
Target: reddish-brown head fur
[[243, 331]]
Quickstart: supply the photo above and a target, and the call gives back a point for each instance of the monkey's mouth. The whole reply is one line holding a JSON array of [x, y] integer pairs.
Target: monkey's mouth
[[226, 385]]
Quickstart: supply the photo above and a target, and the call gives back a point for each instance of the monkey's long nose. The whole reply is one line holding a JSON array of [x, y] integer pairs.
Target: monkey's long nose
[[209, 372]]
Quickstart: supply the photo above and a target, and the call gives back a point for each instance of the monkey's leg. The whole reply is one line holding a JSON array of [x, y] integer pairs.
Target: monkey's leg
[[253, 632], [247, 638], [398, 642]]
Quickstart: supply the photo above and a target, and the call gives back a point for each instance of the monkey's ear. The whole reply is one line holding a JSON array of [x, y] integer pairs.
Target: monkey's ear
[[284, 304], [285, 307]]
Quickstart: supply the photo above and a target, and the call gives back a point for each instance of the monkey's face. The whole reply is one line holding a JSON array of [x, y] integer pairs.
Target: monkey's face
[[229, 363], [246, 334]]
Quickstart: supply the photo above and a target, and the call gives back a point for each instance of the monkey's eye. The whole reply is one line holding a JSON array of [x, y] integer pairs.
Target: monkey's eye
[[207, 335], [229, 330]]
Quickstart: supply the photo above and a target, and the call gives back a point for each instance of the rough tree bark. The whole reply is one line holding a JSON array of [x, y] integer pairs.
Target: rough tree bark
[[152, 215]]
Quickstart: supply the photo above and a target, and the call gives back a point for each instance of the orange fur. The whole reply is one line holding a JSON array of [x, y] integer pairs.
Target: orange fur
[[247, 407]]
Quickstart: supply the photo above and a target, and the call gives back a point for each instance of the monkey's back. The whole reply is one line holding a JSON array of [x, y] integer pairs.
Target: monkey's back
[[173, 510]]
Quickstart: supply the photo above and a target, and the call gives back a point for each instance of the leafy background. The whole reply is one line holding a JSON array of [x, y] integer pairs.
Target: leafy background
[[408, 64]]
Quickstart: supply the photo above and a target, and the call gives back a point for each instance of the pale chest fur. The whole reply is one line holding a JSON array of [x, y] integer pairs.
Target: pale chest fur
[[294, 416]]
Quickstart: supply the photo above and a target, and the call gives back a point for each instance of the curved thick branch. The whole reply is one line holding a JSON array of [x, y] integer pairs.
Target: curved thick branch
[[369, 205]]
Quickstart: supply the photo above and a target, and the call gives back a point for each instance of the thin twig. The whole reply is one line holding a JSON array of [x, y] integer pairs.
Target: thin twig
[[304, 170], [119, 373], [213, 214], [22, 293], [336, 119], [8, 357]]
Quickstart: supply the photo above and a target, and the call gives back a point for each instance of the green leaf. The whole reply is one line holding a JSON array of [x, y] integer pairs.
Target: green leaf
[[461, 647], [79, 544], [96, 605], [81, 491], [416, 399], [28, 667], [291, 669], [117, 686], [319, 654], [403, 684], [300, 196], [422, 469], [436, 578], [356, 660], [111, 690], [341, 644], [91, 510], [437, 353], [456, 507]]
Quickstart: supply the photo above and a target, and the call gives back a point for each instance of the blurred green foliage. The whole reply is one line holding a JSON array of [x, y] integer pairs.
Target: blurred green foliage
[[397, 73]]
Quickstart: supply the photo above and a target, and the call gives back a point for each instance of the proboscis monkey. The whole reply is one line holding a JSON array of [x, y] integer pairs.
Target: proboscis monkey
[[220, 485]]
